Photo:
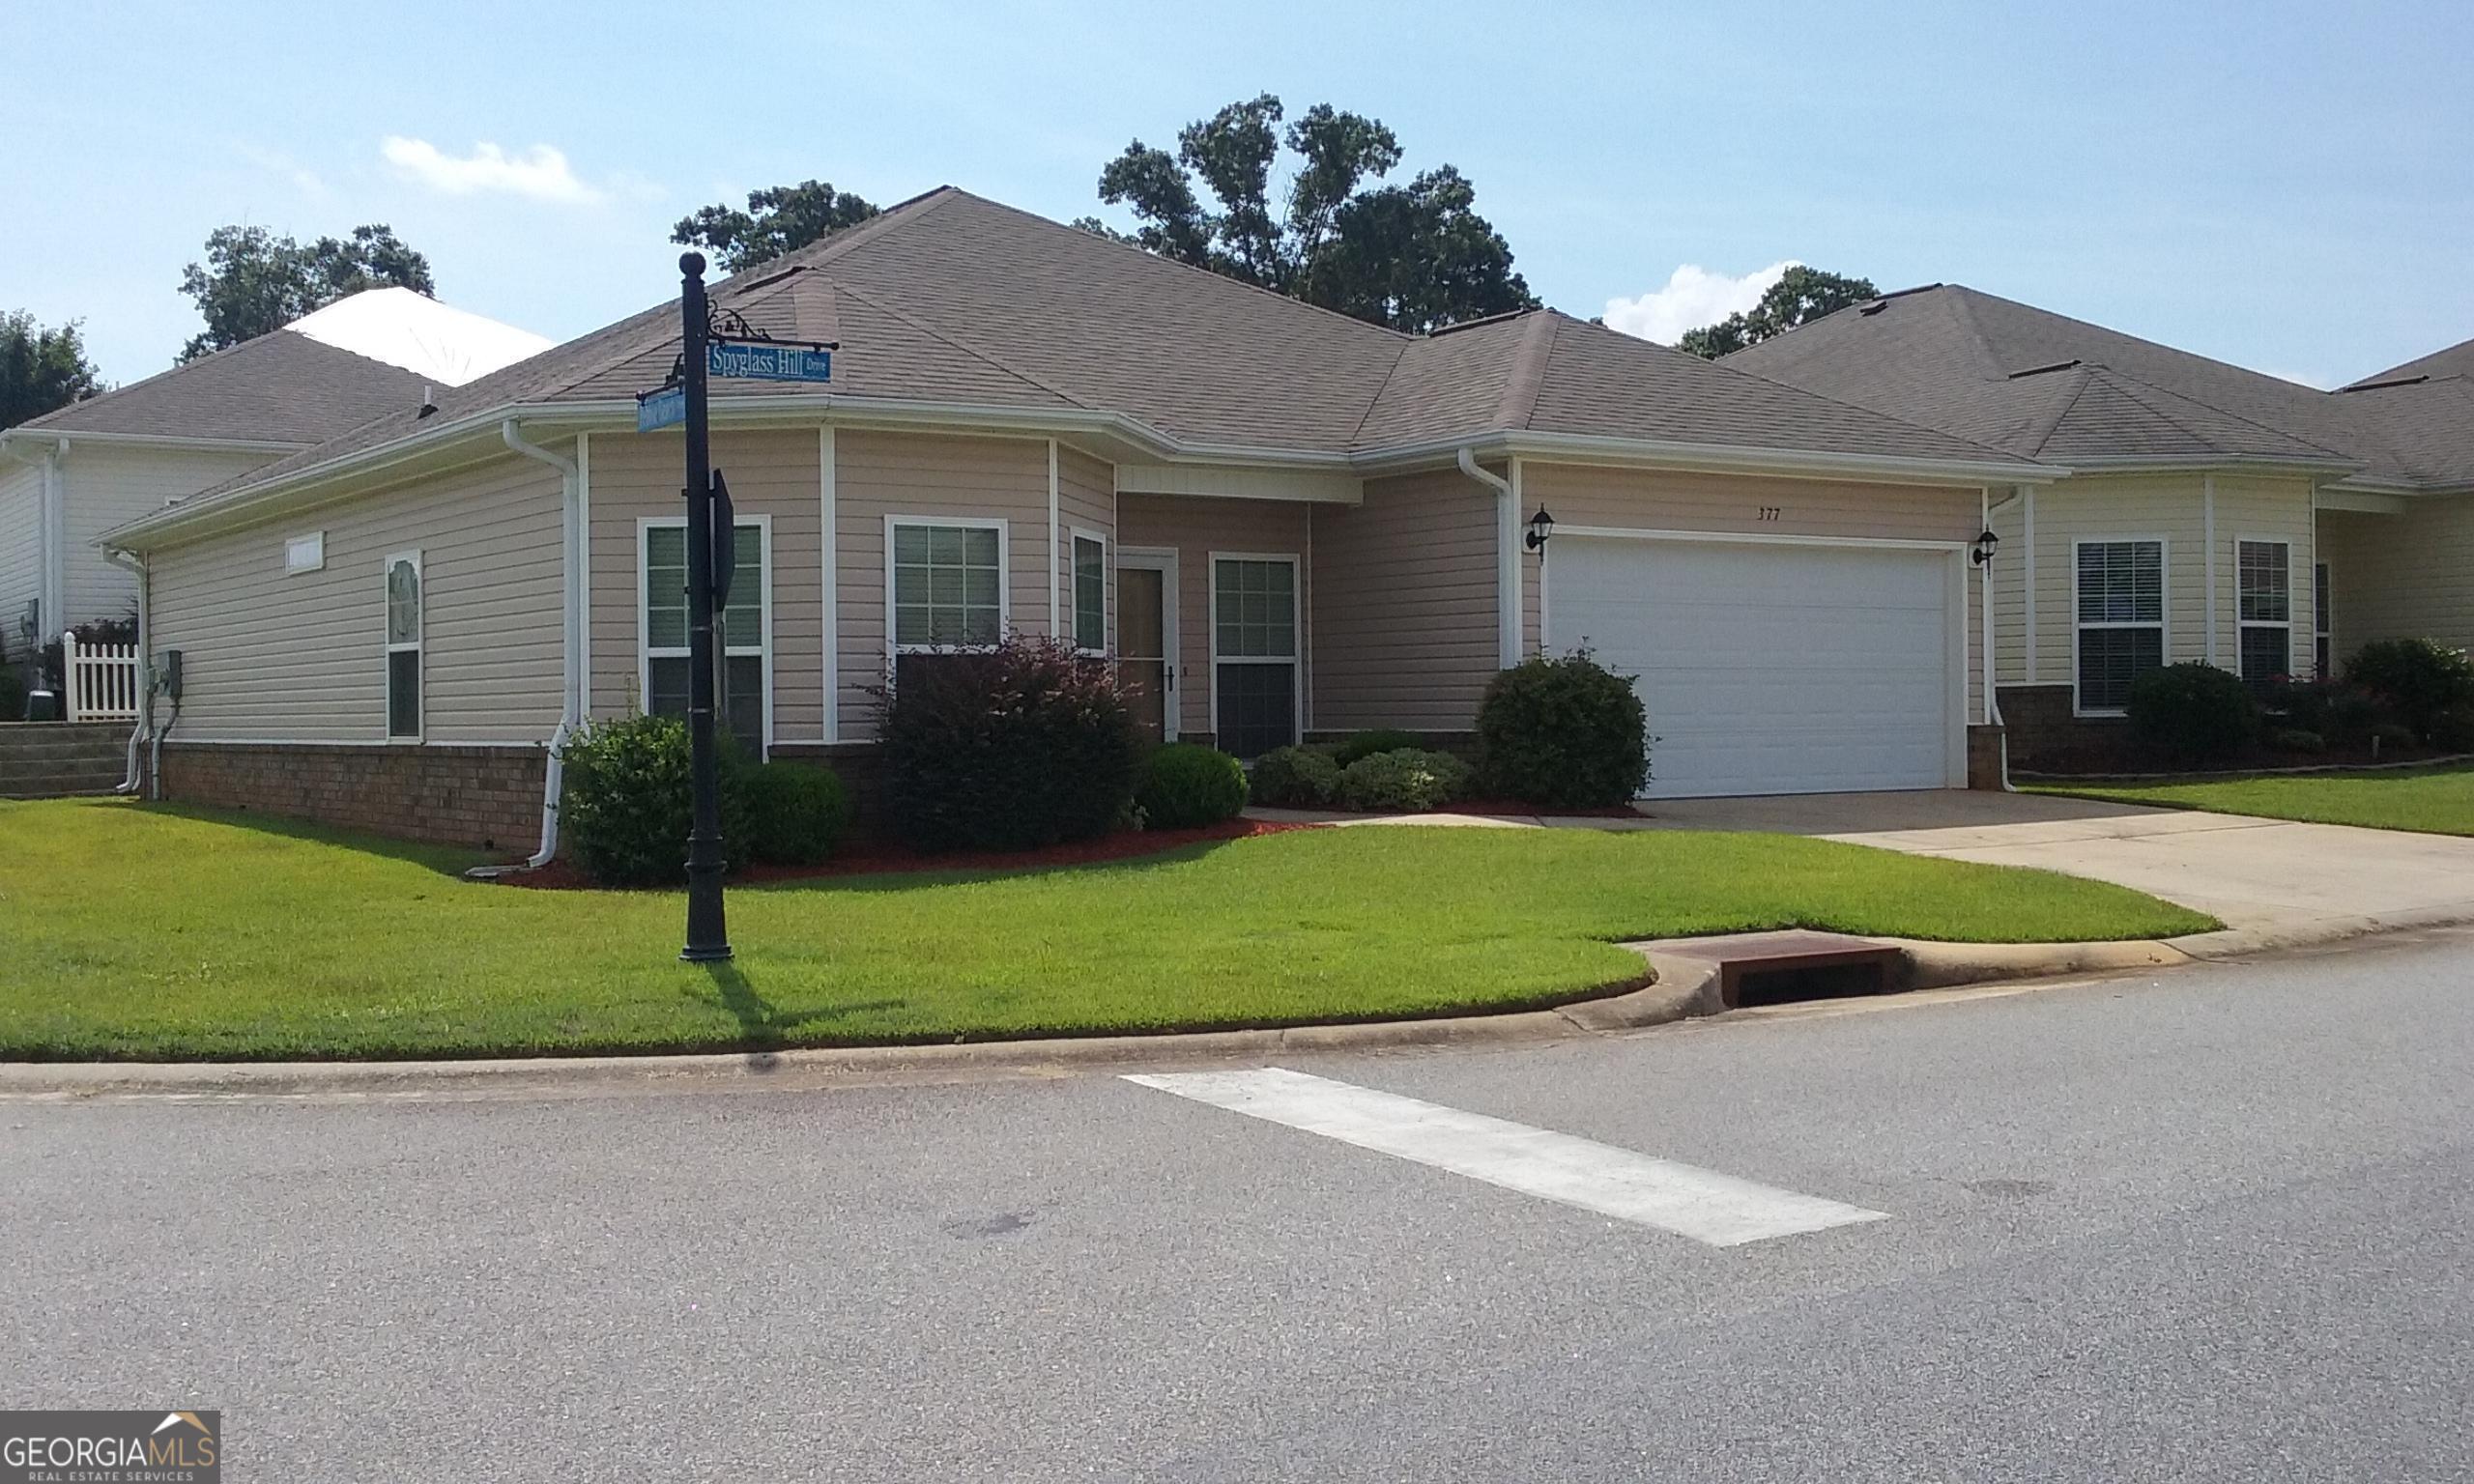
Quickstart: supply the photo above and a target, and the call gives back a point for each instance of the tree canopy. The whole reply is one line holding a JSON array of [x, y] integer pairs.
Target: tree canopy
[[776, 221], [1801, 294], [41, 370], [254, 281], [1414, 257]]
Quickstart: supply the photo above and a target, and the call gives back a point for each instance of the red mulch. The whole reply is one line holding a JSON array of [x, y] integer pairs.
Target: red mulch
[[880, 858]]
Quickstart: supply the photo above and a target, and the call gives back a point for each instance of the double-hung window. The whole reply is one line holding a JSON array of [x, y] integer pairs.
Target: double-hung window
[[2264, 597], [2121, 619], [404, 647], [1090, 594], [944, 587], [1254, 653], [2323, 629], [739, 632]]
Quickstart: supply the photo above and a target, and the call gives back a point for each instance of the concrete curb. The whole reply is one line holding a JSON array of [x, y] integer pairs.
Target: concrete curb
[[1684, 987]]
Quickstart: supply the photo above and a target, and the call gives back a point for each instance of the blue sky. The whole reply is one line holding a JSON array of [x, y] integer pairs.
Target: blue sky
[[2286, 185]]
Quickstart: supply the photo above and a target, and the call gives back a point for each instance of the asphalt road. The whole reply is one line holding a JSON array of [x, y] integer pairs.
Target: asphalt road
[[2212, 1225]]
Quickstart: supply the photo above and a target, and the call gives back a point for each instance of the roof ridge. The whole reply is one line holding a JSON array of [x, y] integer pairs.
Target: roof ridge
[[1529, 357], [1979, 344], [957, 342], [87, 404], [2134, 386], [833, 245], [2041, 431]]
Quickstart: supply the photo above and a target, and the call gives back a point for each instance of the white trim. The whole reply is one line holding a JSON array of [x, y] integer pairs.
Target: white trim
[[583, 576], [1763, 538], [2323, 622], [1297, 635], [1954, 598], [1004, 573], [2165, 611], [2312, 567], [763, 649], [1055, 518], [2208, 540], [527, 744], [155, 440], [1074, 535], [305, 552], [829, 599], [1514, 515], [1162, 559], [2360, 500], [2291, 601], [2027, 593], [417, 646]]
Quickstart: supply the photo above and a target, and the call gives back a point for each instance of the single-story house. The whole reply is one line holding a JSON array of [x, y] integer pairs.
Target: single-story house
[[2210, 513], [1280, 521], [70, 476]]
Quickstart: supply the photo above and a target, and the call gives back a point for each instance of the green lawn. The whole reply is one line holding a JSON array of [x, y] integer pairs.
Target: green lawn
[[2435, 801], [135, 932]]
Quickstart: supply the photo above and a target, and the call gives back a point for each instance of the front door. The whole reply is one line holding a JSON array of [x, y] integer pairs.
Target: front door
[[1146, 628]]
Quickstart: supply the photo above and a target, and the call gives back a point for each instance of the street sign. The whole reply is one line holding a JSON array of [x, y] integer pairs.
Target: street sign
[[665, 407], [725, 543], [745, 361]]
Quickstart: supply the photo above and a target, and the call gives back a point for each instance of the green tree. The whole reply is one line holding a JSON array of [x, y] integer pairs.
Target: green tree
[[1414, 257], [254, 281], [1799, 296], [41, 370], [776, 221]]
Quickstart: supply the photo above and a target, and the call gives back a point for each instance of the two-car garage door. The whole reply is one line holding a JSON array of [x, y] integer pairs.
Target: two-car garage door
[[1775, 666]]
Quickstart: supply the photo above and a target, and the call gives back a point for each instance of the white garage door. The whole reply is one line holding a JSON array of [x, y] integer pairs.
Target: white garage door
[[1773, 667]]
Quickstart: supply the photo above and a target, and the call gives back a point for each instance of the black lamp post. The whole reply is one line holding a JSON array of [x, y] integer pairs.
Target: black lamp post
[[709, 939], [1986, 544], [1541, 530]]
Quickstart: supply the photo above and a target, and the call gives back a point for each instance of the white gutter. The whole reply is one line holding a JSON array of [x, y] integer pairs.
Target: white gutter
[[132, 779], [1507, 557], [570, 639]]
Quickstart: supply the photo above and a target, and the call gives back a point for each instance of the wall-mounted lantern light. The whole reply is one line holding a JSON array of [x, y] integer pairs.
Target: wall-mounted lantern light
[[1541, 530], [1985, 546]]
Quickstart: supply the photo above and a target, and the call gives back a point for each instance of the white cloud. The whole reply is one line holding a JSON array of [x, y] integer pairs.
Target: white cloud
[[1693, 296], [302, 179], [540, 173]]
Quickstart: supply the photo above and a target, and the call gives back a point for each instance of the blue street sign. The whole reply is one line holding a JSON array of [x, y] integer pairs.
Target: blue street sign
[[753, 362], [663, 408]]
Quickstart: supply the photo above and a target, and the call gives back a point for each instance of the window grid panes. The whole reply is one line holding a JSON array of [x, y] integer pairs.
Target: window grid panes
[[1257, 609], [2323, 629], [1090, 593], [2263, 603], [739, 632], [2121, 619], [404, 647], [948, 585]]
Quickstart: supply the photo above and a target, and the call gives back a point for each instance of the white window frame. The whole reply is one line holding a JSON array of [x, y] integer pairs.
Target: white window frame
[[1297, 634], [1004, 577], [2323, 627], [1075, 536], [2164, 624], [645, 524], [305, 552], [418, 647], [2242, 624]]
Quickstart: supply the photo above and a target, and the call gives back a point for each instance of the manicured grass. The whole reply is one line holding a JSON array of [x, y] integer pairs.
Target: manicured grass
[[131, 932], [2435, 801]]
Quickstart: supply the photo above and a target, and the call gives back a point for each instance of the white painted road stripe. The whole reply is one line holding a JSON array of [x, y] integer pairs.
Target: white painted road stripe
[[1703, 1204]]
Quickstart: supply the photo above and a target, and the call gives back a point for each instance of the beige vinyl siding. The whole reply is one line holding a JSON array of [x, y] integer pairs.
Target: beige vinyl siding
[[1658, 500], [878, 474], [2252, 508], [773, 472], [20, 551], [2010, 590], [2404, 576], [1195, 527], [1086, 500], [276, 657], [105, 486], [1405, 604]]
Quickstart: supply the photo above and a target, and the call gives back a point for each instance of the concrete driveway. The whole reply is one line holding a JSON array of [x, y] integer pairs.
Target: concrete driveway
[[2252, 873]]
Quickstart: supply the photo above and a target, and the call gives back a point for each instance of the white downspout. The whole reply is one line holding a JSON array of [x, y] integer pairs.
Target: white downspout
[[1991, 694], [132, 779], [1507, 557], [571, 648]]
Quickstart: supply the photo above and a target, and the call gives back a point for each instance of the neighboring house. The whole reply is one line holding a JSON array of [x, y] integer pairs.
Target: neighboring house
[[2210, 513], [68, 476], [1282, 523]]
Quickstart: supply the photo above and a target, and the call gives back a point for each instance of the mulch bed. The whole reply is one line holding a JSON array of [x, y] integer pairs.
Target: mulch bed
[[870, 857]]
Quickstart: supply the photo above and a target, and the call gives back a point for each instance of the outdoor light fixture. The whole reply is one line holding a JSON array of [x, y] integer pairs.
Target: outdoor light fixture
[[1985, 546], [1542, 528]]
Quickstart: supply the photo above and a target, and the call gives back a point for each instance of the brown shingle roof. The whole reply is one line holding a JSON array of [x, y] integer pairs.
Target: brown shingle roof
[[277, 389]]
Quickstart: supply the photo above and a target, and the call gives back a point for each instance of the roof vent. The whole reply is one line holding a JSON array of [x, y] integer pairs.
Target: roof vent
[[429, 404], [2059, 365], [1874, 308], [2401, 381]]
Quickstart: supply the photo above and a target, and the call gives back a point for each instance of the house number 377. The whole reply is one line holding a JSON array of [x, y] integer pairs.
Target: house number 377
[[1766, 513]]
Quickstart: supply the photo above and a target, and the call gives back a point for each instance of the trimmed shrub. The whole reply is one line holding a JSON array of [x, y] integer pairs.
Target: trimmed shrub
[[1404, 780], [625, 805], [1378, 739], [1186, 786], [2419, 678], [2388, 739], [1295, 778], [2453, 731], [2294, 739], [2341, 714], [1566, 732], [2197, 713], [1015, 747], [796, 813]]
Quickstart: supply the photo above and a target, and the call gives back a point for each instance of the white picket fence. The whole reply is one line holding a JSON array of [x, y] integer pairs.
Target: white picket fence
[[102, 681]]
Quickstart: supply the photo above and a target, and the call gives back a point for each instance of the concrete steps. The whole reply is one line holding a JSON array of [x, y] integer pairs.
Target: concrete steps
[[55, 760]]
